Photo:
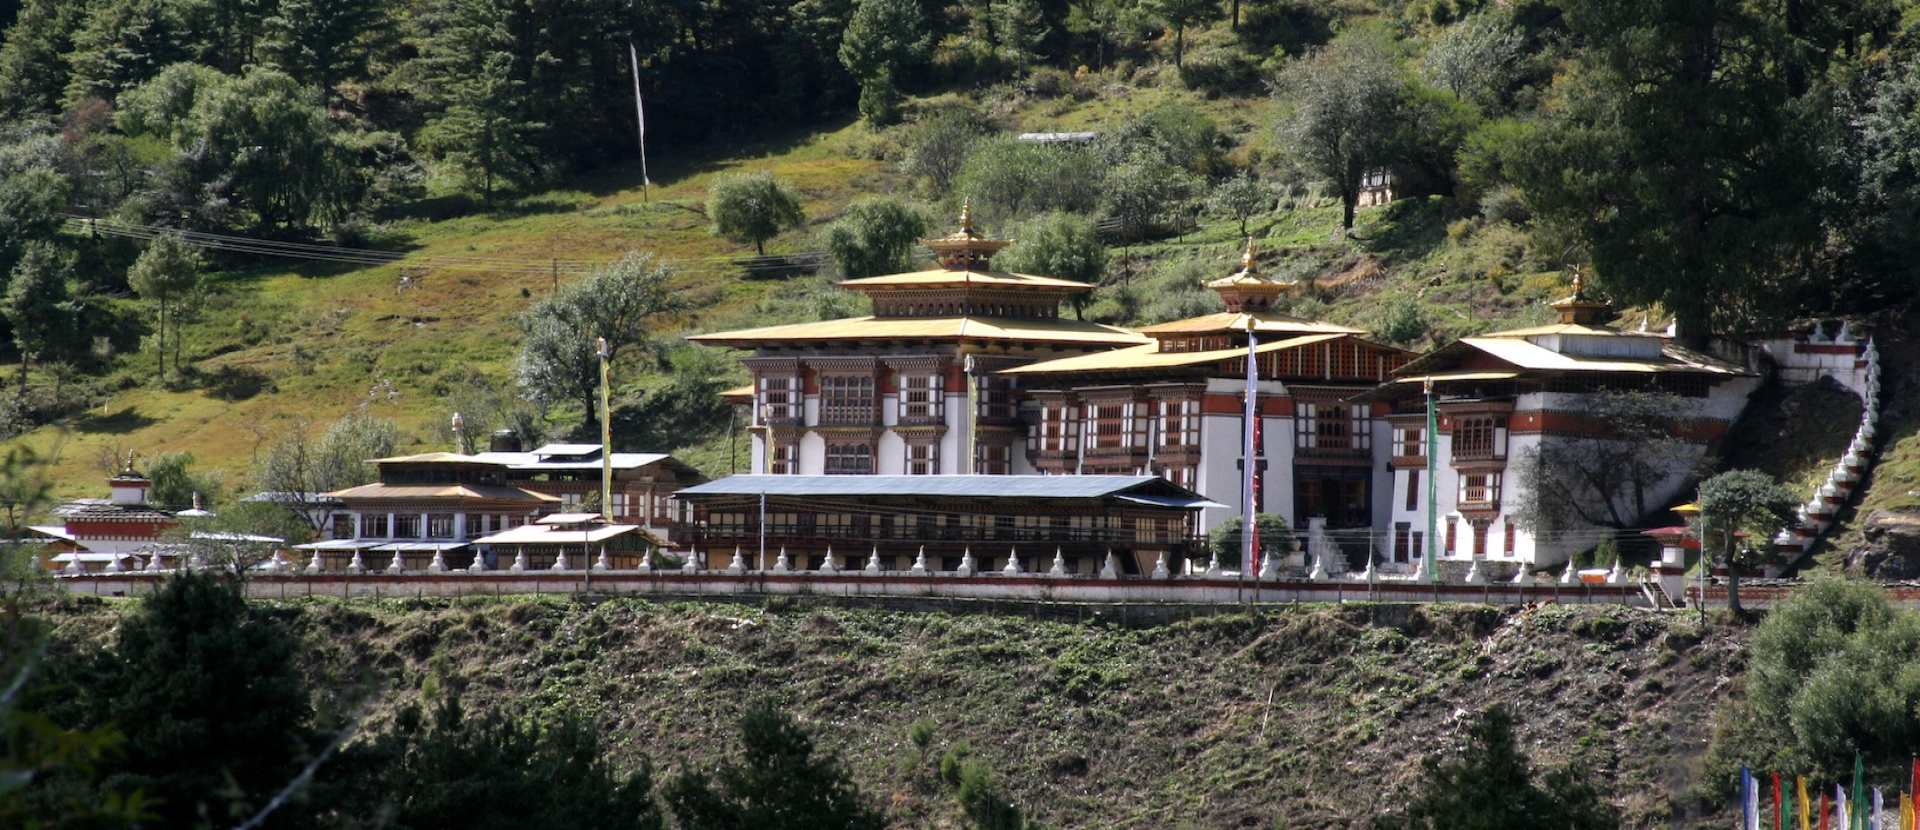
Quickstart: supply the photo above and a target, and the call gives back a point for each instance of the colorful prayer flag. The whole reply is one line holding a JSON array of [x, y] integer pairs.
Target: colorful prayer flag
[[1780, 807], [1879, 809], [1805, 805], [1749, 801]]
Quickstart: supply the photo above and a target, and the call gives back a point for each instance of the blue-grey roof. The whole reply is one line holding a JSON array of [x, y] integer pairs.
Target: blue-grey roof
[[962, 486]]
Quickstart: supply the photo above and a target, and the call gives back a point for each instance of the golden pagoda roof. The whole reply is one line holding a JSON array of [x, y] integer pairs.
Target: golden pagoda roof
[[989, 279], [965, 248], [1041, 330], [1150, 357], [1576, 309], [1236, 321], [1249, 278]]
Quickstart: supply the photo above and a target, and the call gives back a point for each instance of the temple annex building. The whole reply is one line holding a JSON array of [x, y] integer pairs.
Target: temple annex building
[[966, 370]]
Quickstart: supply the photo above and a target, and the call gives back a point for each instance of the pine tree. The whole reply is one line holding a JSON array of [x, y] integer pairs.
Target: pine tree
[[1491, 787], [779, 781], [38, 305]]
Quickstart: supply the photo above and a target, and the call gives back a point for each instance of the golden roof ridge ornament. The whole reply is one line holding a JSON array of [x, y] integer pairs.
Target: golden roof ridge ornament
[[966, 249], [1247, 290], [1576, 309]]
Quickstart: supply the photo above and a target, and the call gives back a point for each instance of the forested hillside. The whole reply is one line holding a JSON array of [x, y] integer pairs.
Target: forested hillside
[[1300, 718], [225, 225]]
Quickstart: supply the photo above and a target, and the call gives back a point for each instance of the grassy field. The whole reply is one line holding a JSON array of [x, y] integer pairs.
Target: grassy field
[[296, 345]]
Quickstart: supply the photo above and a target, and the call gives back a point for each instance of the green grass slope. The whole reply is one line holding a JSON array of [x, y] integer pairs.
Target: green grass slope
[[1300, 717]]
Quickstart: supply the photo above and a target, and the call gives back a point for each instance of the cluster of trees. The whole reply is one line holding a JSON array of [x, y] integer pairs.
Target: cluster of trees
[[1735, 163], [196, 714]]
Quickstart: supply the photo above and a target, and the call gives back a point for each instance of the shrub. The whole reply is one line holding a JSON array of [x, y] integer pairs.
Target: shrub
[[1834, 663]]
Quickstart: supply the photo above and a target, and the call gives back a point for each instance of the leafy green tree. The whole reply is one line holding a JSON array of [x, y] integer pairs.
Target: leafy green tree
[[1177, 135], [1880, 220], [210, 699], [1146, 194], [1833, 663], [882, 37], [558, 359], [1491, 787], [1241, 198], [1181, 15], [1477, 59], [1403, 322], [299, 467], [1225, 540], [50, 774], [688, 405], [1688, 152], [1009, 179], [260, 146], [876, 236], [24, 491], [168, 270], [936, 148], [444, 766], [1060, 245], [778, 781], [752, 207], [32, 190], [985, 801], [1342, 100], [175, 482], [1744, 500], [39, 306], [482, 132]]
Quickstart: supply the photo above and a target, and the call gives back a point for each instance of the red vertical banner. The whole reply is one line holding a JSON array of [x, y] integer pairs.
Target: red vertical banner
[[1826, 808], [1779, 813]]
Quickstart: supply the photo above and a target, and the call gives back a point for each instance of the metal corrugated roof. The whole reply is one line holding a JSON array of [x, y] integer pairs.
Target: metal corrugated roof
[[981, 486], [1527, 355]]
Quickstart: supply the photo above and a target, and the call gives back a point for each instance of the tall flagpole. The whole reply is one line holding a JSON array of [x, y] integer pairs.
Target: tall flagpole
[[606, 438], [640, 114], [1433, 487], [1250, 529]]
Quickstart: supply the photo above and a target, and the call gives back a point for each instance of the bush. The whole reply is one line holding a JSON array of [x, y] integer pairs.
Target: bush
[[1224, 540], [1834, 663]]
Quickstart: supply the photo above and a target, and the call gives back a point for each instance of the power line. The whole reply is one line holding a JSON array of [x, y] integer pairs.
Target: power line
[[372, 257]]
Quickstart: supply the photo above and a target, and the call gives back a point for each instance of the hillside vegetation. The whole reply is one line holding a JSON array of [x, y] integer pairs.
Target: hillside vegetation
[[1290, 717], [498, 157]]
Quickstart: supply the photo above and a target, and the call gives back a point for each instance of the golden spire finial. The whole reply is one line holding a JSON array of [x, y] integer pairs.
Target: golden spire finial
[[1246, 257], [1578, 293], [128, 470], [966, 215]]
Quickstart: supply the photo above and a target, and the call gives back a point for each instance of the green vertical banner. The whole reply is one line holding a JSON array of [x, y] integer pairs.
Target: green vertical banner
[[1857, 813]]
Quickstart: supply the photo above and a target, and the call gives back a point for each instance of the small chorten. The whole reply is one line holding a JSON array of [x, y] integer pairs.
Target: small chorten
[[1247, 291], [129, 488], [1577, 309], [965, 249]]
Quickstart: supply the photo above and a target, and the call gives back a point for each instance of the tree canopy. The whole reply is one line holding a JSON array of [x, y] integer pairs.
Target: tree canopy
[[558, 358], [752, 207]]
